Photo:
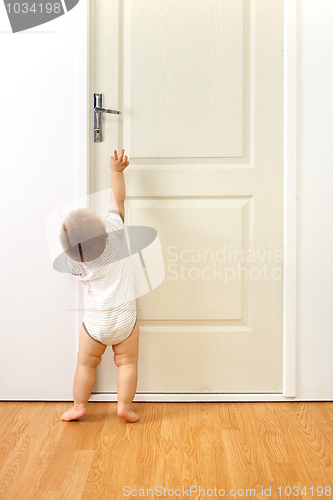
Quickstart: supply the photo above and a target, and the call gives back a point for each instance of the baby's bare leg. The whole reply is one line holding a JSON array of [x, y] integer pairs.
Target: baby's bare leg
[[126, 358], [88, 358]]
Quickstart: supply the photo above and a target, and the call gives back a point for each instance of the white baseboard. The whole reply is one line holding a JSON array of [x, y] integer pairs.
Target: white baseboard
[[190, 398]]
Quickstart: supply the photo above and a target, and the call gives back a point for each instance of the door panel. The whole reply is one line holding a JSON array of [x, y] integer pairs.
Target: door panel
[[200, 87], [181, 56]]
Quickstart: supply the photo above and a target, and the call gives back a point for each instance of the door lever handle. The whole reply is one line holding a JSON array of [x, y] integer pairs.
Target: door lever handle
[[104, 110], [98, 110]]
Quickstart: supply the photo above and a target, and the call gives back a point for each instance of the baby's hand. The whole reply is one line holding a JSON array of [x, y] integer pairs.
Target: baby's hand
[[119, 164]]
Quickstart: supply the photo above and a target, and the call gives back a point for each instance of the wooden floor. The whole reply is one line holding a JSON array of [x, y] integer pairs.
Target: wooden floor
[[226, 449]]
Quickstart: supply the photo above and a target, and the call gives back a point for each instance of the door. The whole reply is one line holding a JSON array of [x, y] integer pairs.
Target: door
[[200, 88]]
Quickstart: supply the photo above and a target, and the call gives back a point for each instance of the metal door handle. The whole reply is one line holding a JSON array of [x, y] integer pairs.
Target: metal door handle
[[98, 110]]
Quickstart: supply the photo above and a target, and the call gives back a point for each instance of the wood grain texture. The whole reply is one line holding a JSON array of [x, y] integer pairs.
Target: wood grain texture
[[174, 445]]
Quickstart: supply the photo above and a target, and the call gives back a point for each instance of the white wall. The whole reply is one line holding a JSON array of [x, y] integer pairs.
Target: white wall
[[38, 154], [315, 207], [38, 88]]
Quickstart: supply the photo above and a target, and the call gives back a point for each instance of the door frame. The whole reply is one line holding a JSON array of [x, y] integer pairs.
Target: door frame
[[84, 114]]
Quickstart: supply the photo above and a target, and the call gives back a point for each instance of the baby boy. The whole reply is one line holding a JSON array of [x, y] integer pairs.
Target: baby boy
[[96, 252]]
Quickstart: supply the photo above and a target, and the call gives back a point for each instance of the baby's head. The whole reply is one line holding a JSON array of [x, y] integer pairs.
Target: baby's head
[[83, 235]]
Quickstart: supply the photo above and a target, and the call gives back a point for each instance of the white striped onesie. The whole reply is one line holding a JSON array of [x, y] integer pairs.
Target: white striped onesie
[[108, 288]]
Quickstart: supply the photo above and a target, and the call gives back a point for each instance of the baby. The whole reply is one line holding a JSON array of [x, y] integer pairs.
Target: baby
[[96, 251]]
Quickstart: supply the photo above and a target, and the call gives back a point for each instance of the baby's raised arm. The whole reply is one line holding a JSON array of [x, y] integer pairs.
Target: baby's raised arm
[[117, 166]]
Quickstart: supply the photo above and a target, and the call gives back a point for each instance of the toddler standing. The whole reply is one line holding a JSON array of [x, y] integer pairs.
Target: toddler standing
[[96, 251]]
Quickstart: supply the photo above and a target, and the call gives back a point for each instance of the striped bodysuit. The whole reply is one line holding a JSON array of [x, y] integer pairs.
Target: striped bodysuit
[[108, 287]]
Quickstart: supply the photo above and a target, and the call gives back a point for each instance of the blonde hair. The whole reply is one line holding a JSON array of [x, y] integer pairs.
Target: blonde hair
[[83, 235]]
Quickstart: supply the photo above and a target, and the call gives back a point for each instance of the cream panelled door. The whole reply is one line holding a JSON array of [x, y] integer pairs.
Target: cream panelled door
[[200, 88]]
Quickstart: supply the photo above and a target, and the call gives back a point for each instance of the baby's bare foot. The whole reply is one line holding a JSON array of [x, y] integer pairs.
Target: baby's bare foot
[[74, 413], [127, 414]]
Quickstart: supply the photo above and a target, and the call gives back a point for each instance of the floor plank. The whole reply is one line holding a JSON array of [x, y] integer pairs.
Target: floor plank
[[178, 446]]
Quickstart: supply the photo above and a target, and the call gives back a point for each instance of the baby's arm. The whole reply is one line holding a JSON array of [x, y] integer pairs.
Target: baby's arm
[[117, 166]]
